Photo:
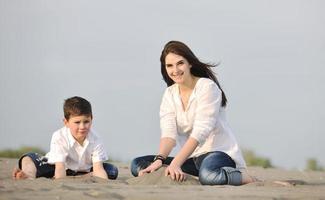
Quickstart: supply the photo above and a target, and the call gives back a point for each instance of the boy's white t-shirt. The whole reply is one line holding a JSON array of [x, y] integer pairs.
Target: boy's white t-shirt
[[204, 120], [64, 148]]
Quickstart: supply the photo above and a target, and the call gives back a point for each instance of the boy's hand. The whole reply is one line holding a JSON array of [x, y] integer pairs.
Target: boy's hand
[[99, 171], [18, 174], [151, 168]]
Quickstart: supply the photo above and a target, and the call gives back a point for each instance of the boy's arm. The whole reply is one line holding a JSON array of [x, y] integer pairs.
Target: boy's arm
[[59, 170], [98, 170]]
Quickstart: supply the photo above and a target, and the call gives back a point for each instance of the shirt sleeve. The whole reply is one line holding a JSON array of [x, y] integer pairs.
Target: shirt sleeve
[[58, 149], [168, 117], [208, 105], [99, 153]]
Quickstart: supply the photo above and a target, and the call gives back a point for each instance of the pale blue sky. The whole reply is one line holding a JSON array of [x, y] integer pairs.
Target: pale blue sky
[[272, 55]]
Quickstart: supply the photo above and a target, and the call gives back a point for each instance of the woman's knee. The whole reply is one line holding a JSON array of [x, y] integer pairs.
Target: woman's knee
[[222, 176], [135, 167], [111, 171], [216, 177], [140, 163]]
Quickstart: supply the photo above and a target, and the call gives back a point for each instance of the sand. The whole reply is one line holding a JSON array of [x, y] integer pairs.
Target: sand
[[276, 184]]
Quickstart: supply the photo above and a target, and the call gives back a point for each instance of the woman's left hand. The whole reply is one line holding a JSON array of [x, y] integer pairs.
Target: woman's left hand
[[175, 173]]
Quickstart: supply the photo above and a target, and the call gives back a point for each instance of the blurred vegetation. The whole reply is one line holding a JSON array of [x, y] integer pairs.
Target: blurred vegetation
[[250, 157], [17, 153], [313, 165], [253, 160]]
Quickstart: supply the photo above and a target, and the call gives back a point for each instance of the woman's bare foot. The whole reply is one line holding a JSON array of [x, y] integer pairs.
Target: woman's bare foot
[[246, 178]]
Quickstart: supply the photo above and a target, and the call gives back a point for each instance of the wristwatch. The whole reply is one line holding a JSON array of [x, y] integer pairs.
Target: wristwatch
[[159, 157]]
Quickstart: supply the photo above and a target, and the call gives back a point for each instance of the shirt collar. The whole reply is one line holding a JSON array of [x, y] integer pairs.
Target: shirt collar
[[192, 96], [89, 139]]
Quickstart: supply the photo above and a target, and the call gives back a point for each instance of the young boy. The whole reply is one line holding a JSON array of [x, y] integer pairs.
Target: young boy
[[75, 149]]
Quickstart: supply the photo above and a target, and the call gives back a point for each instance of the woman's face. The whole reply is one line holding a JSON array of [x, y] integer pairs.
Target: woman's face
[[178, 68]]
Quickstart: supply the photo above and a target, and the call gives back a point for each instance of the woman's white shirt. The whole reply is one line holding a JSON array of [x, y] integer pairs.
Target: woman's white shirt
[[204, 119]]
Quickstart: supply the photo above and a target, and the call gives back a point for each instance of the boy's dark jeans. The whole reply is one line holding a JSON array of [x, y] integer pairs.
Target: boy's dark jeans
[[47, 170]]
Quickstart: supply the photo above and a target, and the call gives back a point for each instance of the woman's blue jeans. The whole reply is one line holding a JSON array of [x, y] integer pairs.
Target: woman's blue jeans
[[213, 168]]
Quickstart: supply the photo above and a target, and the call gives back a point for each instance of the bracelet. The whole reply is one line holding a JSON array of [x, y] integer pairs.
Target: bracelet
[[159, 157]]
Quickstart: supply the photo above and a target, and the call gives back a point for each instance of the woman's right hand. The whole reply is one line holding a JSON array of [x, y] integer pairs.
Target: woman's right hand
[[151, 168]]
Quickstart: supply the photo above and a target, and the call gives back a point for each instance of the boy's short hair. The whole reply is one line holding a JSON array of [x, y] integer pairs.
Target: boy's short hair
[[76, 106]]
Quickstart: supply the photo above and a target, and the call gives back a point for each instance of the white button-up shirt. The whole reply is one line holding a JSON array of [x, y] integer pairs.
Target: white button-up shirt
[[204, 120], [64, 148]]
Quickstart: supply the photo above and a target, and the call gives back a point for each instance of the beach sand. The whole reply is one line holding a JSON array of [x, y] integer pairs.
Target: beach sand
[[276, 184]]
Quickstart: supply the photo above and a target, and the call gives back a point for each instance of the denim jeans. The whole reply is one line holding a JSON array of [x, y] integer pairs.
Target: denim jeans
[[213, 168]]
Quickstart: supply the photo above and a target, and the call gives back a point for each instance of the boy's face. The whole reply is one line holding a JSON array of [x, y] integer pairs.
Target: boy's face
[[79, 126]]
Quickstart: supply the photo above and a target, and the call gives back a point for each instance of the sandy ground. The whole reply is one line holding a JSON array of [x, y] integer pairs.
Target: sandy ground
[[299, 185]]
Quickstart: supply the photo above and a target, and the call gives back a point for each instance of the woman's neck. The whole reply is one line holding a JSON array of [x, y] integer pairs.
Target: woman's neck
[[189, 85]]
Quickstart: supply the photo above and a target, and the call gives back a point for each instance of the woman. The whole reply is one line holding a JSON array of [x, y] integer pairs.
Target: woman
[[192, 114]]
